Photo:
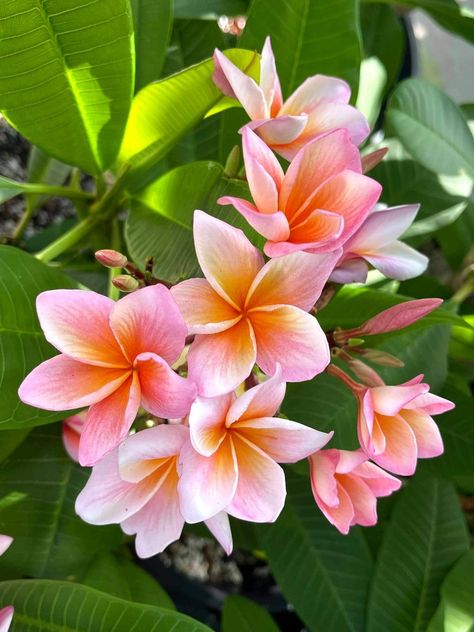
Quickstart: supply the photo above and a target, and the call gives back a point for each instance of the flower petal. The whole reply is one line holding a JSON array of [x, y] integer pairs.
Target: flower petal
[[431, 404], [108, 422], [158, 523], [427, 434], [77, 323], [280, 131], [342, 515], [296, 279], [219, 526], [379, 481], [226, 256], [398, 261], [207, 483], [261, 489], [164, 392], [283, 440], [6, 616], [5, 543], [350, 271], [272, 226], [62, 383], [389, 400], [322, 467], [269, 82], [292, 337], [400, 452], [362, 498], [72, 429], [315, 90], [207, 422], [382, 227], [320, 228], [263, 171], [262, 400], [349, 460], [218, 363]]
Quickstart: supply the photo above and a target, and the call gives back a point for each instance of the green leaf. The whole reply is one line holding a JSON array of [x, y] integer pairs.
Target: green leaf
[[324, 37], [243, 615], [432, 128], [51, 606], [50, 540], [152, 20], [10, 440], [208, 9], [22, 343], [116, 575], [456, 610], [44, 169], [11, 188], [160, 224], [164, 111], [424, 538], [323, 574], [66, 73]]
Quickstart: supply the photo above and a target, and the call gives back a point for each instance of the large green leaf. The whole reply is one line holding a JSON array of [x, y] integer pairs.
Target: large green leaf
[[152, 20], [208, 9], [66, 73], [50, 540], [164, 111], [308, 37], [243, 615], [432, 128], [52, 606], [456, 610], [117, 575], [10, 440], [160, 223], [22, 343], [424, 538], [323, 574]]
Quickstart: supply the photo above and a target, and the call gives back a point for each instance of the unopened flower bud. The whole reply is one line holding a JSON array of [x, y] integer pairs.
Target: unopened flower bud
[[111, 258], [125, 283], [382, 358]]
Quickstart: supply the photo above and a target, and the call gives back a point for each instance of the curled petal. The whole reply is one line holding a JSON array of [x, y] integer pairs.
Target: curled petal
[[264, 173], [363, 500], [427, 434], [207, 422], [322, 472], [380, 482], [320, 229], [262, 400], [280, 131], [272, 226], [269, 82], [431, 404], [400, 451], [314, 91], [389, 400]]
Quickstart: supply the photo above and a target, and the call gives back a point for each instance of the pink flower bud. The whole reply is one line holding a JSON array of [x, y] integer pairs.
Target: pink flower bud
[[382, 358], [125, 283], [369, 161], [111, 258]]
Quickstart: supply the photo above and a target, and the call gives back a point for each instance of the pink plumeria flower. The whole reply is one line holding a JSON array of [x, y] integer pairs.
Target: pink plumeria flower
[[346, 487], [246, 311], [317, 205], [231, 460], [72, 430], [376, 243], [6, 616], [115, 356], [319, 105], [135, 486]]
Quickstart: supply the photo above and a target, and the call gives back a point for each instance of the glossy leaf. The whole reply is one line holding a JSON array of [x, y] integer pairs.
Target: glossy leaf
[[244, 615], [325, 33], [152, 20], [49, 539], [42, 168], [10, 440], [22, 343], [164, 111], [69, 87], [323, 574], [50, 606], [432, 128], [208, 9], [424, 538]]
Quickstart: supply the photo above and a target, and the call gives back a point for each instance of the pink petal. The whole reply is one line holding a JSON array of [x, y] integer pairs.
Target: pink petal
[[428, 437], [207, 422], [400, 452], [314, 91], [372, 159], [164, 392], [108, 422], [389, 400], [322, 473], [431, 404], [261, 490], [296, 279], [283, 440], [383, 227], [159, 522], [107, 499], [269, 82], [263, 171], [72, 430], [6, 616], [140, 454], [272, 226], [320, 229], [365, 422], [204, 311], [226, 256], [349, 460], [398, 261], [218, 363], [350, 271], [219, 526], [292, 337], [77, 323], [379, 481], [5, 543], [149, 320], [362, 498], [233, 82], [62, 383], [280, 131], [399, 316], [316, 162], [207, 483], [262, 400], [342, 515]]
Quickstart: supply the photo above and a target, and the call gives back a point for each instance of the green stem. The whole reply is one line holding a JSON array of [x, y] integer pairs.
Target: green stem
[[115, 244], [47, 189], [23, 223]]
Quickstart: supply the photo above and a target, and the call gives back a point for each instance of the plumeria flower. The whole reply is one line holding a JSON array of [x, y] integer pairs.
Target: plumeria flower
[[394, 425], [136, 486], [346, 487], [317, 205], [72, 430], [376, 243], [319, 105], [114, 358], [6, 616], [246, 311], [231, 460]]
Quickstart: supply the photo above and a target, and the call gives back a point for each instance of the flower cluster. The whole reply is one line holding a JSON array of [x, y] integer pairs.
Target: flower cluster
[[181, 425]]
